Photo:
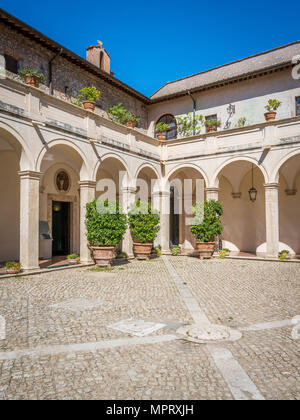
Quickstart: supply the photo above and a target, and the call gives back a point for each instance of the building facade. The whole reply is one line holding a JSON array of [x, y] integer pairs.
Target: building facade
[[54, 155]]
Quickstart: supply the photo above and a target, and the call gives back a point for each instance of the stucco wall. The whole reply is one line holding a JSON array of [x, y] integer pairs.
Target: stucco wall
[[249, 97]]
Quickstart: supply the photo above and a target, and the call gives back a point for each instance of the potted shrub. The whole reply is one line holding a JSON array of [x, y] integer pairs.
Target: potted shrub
[[73, 259], [272, 107], [12, 267], [32, 77], [212, 125], [161, 129], [106, 225], [123, 115], [89, 96], [144, 225], [189, 124], [207, 225]]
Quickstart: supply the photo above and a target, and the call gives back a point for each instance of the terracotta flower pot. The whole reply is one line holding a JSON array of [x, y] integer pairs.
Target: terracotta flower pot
[[32, 80], [142, 251], [212, 129], [89, 105], [130, 124], [270, 116], [73, 262], [205, 249], [12, 270], [162, 137], [103, 255]]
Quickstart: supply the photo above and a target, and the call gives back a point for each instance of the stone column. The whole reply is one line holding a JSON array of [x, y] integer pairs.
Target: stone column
[[272, 219], [165, 221], [155, 202], [128, 198], [87, 194], [212, 194], [29, 219]]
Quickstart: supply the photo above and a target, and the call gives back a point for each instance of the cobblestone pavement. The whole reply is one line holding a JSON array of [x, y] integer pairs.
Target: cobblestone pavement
[[76, 307]]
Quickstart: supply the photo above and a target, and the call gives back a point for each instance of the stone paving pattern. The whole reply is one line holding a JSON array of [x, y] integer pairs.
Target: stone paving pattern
[[235, 293]]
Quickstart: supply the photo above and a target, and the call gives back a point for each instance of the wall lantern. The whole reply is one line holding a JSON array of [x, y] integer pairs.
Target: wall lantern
[[56, 207], [253, 191]]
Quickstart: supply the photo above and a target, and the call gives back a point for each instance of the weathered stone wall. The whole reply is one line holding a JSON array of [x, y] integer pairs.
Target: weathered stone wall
[[68, 78]]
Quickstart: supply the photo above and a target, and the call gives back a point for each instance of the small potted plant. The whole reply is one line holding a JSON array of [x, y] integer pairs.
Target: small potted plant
[[161, 129], [206, 226], [12, 267], [106, 225], [32, 77], [73, 259], [123, 116], [212, 125], [144, 225], [272, 107], [89, 96], [284, 255], [175, 251]]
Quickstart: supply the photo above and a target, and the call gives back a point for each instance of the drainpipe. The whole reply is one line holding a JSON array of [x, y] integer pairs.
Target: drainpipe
[[50, 71], [194, 111]]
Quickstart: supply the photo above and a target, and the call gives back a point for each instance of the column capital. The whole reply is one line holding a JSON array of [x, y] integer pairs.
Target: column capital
[[272, 186], [212, 189], [130, 190], [87, 184], [30, 175]]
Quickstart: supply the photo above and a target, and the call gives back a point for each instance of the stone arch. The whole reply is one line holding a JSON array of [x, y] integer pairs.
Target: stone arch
[[146, 165], [84, 172], [187, 166], [18, 143], [110, 156], [215, 178], [275, 174]]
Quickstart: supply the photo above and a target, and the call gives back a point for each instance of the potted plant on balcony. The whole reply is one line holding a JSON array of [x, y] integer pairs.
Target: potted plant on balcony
[[144, 225], [212, 125], [272, 107], [90, 96], [32, 77], [106, 225], [206, 226], [123, 116], [161, 130], [12, 267], [73, 259]]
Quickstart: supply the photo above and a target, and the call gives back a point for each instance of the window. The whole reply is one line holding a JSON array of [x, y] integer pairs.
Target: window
[[298, 106], [171, 121], [11, 64]]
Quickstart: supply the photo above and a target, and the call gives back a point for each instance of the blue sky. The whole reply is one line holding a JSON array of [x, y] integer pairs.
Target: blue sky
[[153, 42]]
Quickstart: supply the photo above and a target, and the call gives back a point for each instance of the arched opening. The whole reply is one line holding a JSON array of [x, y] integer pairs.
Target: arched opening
[[171, 121], [10, 156], [187, 186], [61, 166], [243, 219], [109, 179], [289, 205]]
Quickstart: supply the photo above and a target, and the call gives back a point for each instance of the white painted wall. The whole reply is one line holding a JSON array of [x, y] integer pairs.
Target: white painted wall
[[249, 97]]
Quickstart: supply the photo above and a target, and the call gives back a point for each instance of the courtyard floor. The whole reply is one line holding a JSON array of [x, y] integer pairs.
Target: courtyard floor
[[57, 345]]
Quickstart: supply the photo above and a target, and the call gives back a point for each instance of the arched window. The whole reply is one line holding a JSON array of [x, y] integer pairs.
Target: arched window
[[171, 121]]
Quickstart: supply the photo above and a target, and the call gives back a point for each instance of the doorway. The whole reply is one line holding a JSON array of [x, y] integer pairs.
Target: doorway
[[60, 228]]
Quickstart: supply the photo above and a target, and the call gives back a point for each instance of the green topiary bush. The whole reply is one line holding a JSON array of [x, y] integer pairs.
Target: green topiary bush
[[144, 222], [106, 224], [207, 221], [121, 114]]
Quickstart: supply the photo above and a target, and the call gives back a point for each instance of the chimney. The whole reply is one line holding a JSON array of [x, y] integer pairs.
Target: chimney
[[98, 56]]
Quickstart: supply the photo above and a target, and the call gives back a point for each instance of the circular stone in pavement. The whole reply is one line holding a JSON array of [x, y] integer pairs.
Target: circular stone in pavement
[[208, 333]]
